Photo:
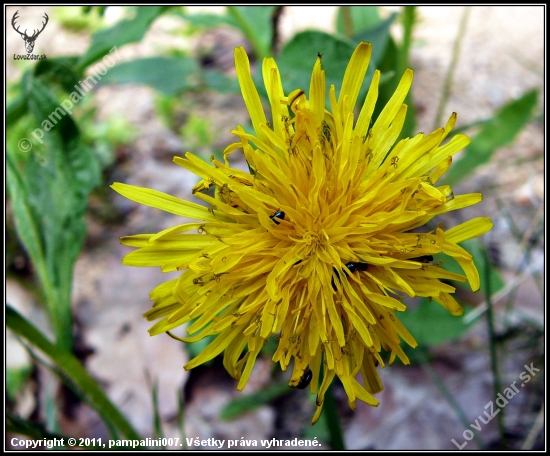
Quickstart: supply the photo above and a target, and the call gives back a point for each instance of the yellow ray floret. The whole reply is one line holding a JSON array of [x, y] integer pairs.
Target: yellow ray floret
[[319, 243]]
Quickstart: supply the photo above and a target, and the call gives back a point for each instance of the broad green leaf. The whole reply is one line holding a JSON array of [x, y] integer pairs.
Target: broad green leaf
[[56, 123], [208, 20], [431, 324], [168, 75], [378, 36], [73, 370], [246, 403], [498, 132], [15, 110], [299, 55], [255, 23], [59, 70], [216, 80], [363, 18], [56, 189], [124, 32], [27, 220]]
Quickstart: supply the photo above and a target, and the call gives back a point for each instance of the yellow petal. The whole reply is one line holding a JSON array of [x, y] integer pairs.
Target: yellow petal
[[250, 93], [355, 74], [163, 201], [468, 230]]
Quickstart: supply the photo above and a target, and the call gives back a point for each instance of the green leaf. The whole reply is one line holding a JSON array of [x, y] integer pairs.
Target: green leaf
[[18, 425], [48, 112], [216, 80], [16, 377], [363, 18], [299, 54], [431, 324], [124, 32], [168, 75], [378, 36], [153, 386], [52, 193], [208, 20], [59, 70], [255, 23], [497, 132], [15, 110], [27, 221], [72, 369], [246, 403]]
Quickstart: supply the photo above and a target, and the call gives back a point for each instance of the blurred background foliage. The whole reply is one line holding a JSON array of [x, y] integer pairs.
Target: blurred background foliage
[[49, 188]]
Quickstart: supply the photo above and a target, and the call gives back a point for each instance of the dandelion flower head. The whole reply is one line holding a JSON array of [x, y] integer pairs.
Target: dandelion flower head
[[318, 244]]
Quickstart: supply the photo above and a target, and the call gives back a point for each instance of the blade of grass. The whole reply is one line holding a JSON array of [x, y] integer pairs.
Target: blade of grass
[[333, 421], [72, 368], [181, 419], [36, 431], [66, 381], [153, 385], [522, 240], [511, 285], [493, 349], [500, 131], [249, 402], [51, 407], [534, 432], [447, 85], [409, 18], [447, 395]]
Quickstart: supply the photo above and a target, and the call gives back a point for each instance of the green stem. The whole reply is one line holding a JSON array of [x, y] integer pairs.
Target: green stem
[[444, 391], [259, 50], [73, 370], [450, 73], [275, 20], [347, 21], [403, 64], [493, 348], [408, 23], [333, 421]]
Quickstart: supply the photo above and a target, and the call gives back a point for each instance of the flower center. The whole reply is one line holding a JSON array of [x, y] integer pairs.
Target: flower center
[[311, 239]]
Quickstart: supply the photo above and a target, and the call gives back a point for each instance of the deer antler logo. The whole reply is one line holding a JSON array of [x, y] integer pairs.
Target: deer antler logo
[[29, 40]]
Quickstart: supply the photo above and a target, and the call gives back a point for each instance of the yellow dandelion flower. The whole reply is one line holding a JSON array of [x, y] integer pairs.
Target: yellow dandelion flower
[[318, 244]]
